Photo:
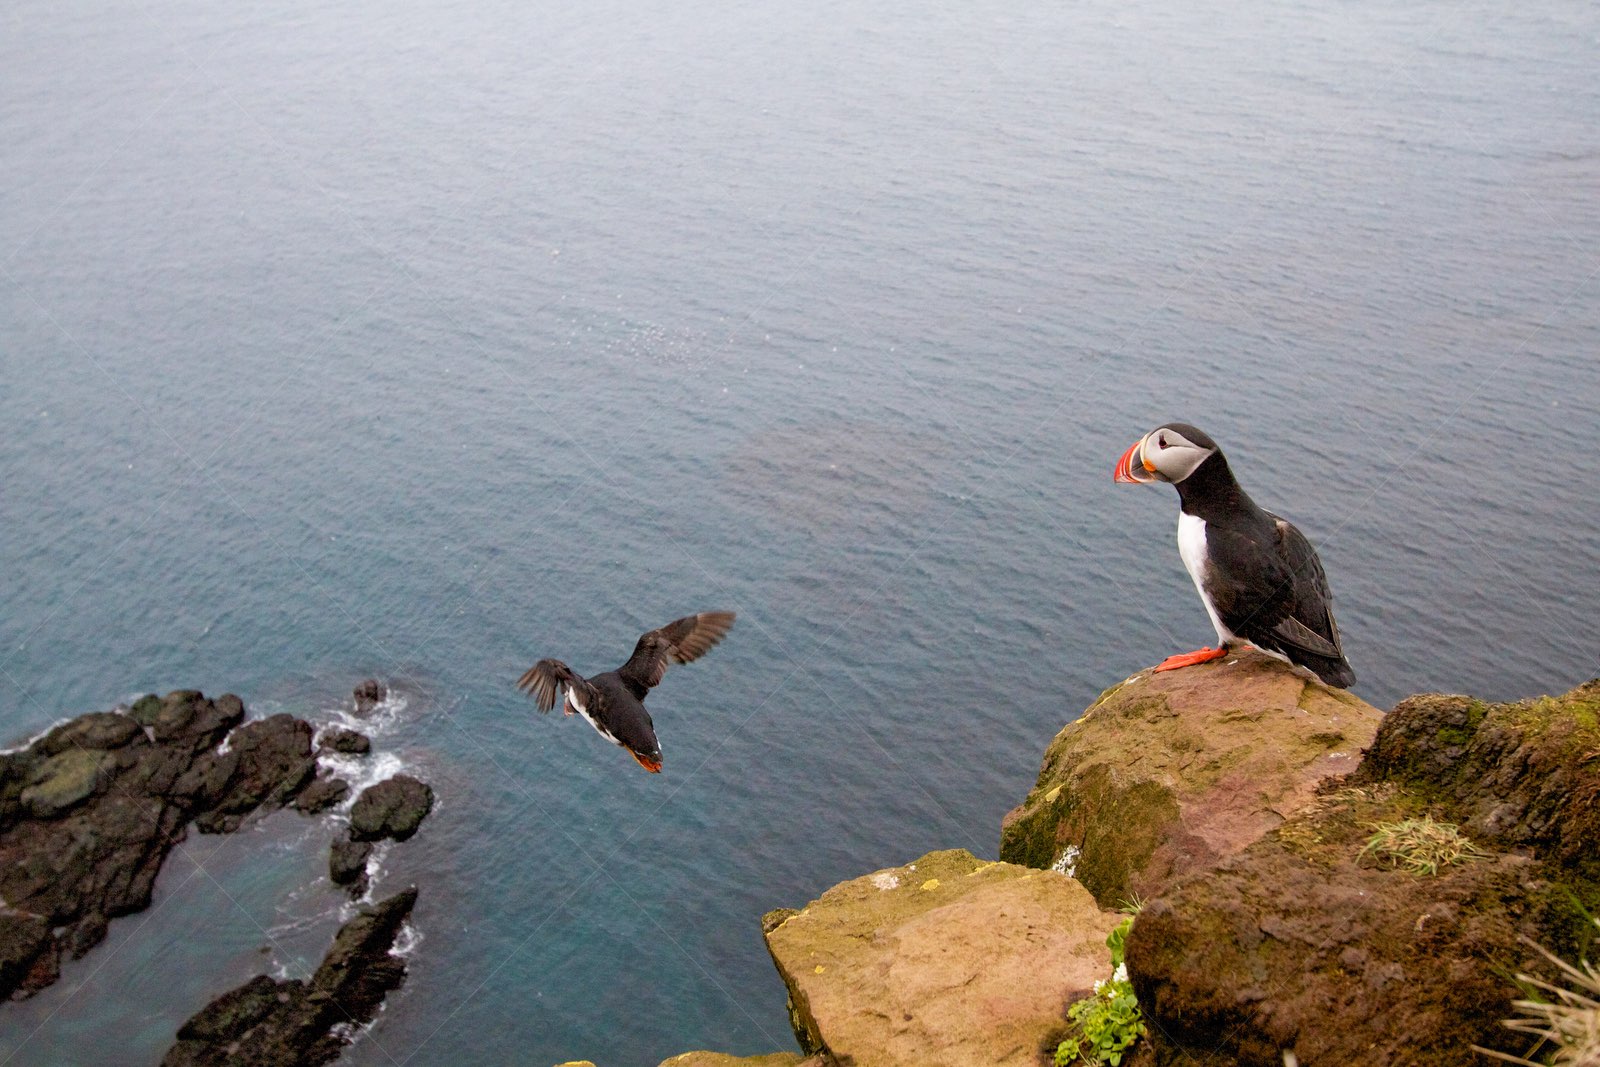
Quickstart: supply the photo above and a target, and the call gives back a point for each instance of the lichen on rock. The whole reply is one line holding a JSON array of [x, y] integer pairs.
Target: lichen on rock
[[954, 958], [722, 1059]]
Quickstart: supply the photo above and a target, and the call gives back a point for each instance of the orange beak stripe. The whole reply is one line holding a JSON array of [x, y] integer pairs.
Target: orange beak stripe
[[1124, 471]]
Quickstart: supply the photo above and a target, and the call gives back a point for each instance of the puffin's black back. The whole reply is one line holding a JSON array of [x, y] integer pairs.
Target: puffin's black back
[[1267, 584]]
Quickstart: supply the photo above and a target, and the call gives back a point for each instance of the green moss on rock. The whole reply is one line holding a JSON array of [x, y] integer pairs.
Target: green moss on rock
[[1300, 943]]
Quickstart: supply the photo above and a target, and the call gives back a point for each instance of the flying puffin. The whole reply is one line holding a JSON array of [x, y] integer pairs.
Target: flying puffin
[[613, 702], [1258, 576]]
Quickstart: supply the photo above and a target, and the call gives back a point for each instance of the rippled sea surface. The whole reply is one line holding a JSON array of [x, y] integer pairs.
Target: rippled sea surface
[[424, 340]]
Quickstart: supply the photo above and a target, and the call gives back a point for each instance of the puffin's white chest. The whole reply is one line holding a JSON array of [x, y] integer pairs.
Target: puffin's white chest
[[577, 702], [1192, 547]]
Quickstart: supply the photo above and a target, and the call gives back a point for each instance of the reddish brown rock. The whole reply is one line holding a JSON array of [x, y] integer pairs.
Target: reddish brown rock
[[1170, 772], [1303, 943]]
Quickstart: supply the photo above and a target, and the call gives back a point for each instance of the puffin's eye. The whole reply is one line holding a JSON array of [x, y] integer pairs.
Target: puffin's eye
[[1161, 442]]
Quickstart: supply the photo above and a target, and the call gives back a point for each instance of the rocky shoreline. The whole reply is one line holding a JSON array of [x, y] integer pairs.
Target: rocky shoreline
[[1233, 806], [91, 809], [293, 1023]]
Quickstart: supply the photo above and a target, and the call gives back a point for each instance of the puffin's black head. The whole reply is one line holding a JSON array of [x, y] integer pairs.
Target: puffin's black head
[[1167, 453]]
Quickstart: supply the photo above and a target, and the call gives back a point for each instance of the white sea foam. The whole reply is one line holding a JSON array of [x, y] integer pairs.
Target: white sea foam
[[29, 742], [406, 941], [385, 715], [360, 771]]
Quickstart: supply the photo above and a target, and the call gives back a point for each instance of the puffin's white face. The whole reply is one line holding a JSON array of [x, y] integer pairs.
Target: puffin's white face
[[1162, 455]]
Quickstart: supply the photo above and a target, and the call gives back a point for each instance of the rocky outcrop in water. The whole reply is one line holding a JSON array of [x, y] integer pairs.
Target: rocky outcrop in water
[[295, 1023], [89, 811], [393, 808], [1311, 942], [368, 695], [348, 742], [1169, 772]]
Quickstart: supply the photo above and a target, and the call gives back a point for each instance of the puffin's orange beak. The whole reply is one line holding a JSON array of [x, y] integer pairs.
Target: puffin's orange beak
[[649, 764], [1132, 467]]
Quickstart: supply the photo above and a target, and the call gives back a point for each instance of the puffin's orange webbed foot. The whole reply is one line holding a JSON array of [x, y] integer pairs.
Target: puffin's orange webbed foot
[[1189, 659]]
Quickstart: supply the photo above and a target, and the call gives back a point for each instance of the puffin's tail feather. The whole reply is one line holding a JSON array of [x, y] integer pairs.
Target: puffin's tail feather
[[1334, 672]]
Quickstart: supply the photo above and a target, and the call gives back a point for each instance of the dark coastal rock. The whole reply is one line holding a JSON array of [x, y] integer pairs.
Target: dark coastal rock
[[347, 863], [26, 946], [1304, 943], [368, 695], [349, 742], [321, 795], [394, 807], [267, 763], [65, 780], [98, 730], [293, 1023], [186, 715], [1170, 772], [89, 812]]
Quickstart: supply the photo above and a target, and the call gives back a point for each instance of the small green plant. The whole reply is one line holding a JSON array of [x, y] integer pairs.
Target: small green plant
[[1420, 846], [1565, 1018], [1109, 1022]]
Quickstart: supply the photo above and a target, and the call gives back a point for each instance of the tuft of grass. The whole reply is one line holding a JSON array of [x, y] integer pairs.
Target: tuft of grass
[[1133, 904], [1420, 846], [1567, 1024]]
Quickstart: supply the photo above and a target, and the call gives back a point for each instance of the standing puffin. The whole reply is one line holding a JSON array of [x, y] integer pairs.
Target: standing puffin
[[613, 702], [1258, 576]]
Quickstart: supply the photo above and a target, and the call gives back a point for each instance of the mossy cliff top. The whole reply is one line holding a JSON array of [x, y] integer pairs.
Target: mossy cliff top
[[1172, 771], [1315, 942]]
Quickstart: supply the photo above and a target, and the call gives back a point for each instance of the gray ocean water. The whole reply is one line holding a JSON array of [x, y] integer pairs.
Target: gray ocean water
[[424, 340]]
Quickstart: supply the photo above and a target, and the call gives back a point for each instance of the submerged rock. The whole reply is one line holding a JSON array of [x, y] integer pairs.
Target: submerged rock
[[1170, 772], [368, 695], [321, 795], [347, 864], [946, 960], [293, 1023], [394, 807], [1304, 942], [349, 742]]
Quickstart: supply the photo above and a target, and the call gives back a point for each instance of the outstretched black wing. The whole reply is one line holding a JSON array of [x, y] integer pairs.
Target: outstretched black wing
[[679, 641], [545, 680]]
